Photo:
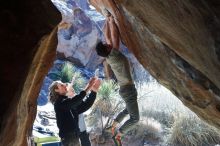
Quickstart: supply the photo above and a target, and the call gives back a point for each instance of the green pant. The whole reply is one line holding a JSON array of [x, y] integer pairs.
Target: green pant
[[129, 95]]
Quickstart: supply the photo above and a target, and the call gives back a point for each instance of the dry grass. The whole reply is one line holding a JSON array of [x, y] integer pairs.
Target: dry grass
[[184, 130], [146, 130], [161, 123], [149, 129], [189, 130]]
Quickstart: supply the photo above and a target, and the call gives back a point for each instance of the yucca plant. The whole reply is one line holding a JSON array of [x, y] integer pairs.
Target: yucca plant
[[107, 94], [67, 73], [107, 104], [79, 82]]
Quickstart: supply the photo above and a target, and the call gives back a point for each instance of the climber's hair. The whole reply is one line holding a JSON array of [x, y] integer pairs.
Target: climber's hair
[[102, 50], [53, 95]]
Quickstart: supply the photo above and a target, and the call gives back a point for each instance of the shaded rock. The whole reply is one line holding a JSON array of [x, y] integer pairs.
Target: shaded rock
[[162, 33], [28, 44]]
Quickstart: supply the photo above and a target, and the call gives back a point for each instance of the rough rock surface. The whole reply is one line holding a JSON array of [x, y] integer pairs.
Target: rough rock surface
[[28, 46], [77, 35], [178, 43], [77, 41]]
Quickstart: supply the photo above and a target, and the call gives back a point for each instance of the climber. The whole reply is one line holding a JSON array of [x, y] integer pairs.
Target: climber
[[68, 109], [121, 68]]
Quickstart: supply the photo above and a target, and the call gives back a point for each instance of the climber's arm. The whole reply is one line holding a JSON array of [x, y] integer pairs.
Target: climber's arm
[[115, 36], [106, 31]]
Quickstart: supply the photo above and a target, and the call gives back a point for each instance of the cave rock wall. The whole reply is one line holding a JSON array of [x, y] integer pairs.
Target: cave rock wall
[[178, 43], [28, 39]]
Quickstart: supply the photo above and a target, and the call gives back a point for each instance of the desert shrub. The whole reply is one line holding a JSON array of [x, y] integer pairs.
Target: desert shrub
[[147, 128], [163, 117], [189, 130], [181, 127], [79, 82], [107, 104], [66, 74], [107, 98]]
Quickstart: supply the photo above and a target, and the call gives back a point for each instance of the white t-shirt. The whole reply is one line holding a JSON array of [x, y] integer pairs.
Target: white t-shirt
[[82, 124]]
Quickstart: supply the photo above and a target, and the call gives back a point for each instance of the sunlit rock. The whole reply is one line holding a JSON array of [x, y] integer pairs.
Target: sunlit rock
[[77, 36]]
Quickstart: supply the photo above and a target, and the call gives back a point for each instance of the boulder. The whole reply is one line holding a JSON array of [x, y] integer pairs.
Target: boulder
[[178, 43]]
